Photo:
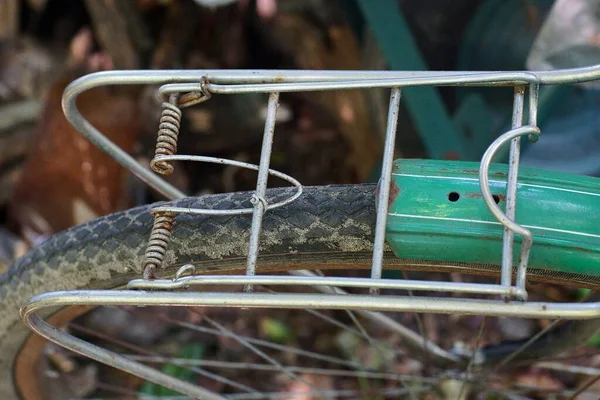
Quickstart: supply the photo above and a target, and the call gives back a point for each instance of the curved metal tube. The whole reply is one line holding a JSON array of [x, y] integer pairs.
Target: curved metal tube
[[107, 357], [262, 300], [183, 282], [484, 180], [314, 301], [224, 161], [465, 79], [484, 185], [283, 77]]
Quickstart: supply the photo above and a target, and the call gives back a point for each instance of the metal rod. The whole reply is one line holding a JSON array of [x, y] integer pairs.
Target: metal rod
[[384, 186], [361, 303], [316, 301], [261, 354], [573, 369], [534, 95], [317, 394], [267, 344], [151, 353], [534, 91], [223, 161], [260, 204], [226, 76], [269, 367], [465, 79], [484, 185], [331, 281], [118, 361], [161, 77], [410, 338], [511, 188]]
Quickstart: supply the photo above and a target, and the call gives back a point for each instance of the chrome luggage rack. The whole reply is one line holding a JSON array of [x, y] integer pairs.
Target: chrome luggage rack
[[183, 88]]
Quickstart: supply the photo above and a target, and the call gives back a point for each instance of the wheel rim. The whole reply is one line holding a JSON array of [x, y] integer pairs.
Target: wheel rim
[[26, 362]]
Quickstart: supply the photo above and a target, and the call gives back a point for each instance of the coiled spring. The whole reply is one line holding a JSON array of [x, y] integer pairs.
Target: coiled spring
[[158, 243], [168, 132]]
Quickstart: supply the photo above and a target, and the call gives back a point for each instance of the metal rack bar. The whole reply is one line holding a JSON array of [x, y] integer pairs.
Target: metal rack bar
[[511, 187], [329, 281], [431, 305], [260, 204], [384, 186], [224, 77]]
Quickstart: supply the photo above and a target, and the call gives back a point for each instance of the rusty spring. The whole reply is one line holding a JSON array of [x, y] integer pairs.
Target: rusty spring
[[158, 243], [168, 132]]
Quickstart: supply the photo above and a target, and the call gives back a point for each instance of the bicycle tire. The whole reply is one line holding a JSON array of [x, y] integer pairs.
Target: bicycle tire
[[332, 224]]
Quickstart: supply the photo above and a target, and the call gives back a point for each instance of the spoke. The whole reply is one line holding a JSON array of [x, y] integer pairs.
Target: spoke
[[221, 379], [573, 369], [140, 350], [361, 332], [411, 338], [332, 321], [368, 337], [541, 333], [115, 389], [268, 367], [390, 393], [108, 338], [150, 397], [562, 358], [472, 359], [420, 326], [264, 343], [528, 343], [139, 396], [584, 387], [329, 393], [260, 353], [508, 395]]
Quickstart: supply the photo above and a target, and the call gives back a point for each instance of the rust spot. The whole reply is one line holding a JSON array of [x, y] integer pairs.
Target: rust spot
[[499, 173], [501, 196], [488, 237], [583, 249], [394, 191], [471, 171], [451, 155], [544, 307], [474, 195]]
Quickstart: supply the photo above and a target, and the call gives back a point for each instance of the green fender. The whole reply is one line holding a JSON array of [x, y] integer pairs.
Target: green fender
[[437, 213]]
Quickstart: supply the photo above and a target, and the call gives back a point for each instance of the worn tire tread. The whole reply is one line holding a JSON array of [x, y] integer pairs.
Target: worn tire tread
[[108, 251]]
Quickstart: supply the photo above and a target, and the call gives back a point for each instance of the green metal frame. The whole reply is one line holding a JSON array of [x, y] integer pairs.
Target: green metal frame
[[425, 105], [561, 210], [466, 133]]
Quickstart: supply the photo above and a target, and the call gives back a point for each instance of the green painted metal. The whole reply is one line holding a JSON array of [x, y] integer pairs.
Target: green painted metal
[[489, 40], [562, 211], [424, 104], [476, 120]]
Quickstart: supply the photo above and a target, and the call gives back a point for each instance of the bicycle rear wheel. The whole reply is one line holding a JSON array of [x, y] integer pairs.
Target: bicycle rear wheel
[[326, 228]]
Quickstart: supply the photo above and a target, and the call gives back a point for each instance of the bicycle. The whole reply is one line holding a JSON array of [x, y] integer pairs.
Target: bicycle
[[237, 238]]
